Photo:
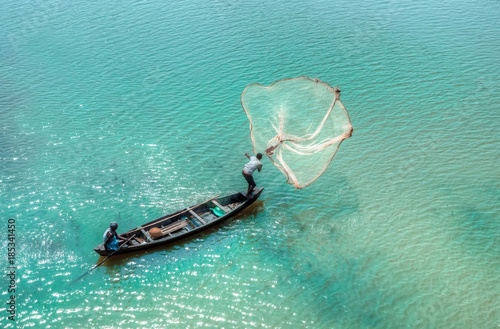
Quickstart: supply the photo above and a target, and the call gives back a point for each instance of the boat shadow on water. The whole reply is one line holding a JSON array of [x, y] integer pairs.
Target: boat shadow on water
[[177, 249]]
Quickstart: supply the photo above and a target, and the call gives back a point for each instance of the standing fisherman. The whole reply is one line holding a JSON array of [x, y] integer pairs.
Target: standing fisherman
[[248, 170]]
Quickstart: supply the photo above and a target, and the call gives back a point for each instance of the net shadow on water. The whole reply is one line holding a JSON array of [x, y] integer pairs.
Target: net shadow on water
[[478, 230], [311, 246]]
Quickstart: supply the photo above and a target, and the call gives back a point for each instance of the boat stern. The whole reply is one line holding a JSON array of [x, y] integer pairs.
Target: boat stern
[[101, 250], [257, 191]]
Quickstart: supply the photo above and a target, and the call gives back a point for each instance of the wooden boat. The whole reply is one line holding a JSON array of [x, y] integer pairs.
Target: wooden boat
[[184, 223]]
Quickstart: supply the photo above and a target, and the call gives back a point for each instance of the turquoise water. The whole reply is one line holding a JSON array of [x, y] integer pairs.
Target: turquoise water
[[128, 110]]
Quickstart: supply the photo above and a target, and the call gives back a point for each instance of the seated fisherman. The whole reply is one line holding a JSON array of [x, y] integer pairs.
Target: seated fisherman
[[111, 239]]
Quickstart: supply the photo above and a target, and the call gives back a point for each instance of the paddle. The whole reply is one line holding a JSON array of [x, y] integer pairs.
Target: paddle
[[105, 259]]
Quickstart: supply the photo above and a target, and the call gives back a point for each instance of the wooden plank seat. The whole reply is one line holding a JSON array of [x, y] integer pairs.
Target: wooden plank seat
[[173, 227], [197, 217], [146, 234], [224, 209]]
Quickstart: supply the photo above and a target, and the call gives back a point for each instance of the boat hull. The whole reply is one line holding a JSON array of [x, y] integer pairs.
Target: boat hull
[[199, 217]]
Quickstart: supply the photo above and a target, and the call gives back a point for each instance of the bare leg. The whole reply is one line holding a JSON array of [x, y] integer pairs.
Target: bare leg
[[249, 191], [122, 239]]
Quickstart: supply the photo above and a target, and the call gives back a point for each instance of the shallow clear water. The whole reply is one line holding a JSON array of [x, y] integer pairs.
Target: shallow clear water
[[128, 110]]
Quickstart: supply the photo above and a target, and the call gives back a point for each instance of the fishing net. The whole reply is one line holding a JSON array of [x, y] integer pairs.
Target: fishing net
[[299, 124]]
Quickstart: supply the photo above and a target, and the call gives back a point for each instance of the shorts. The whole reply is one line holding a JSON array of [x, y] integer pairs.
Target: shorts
[[249, 179]]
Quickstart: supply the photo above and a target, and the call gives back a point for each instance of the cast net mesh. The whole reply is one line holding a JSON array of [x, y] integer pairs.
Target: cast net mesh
[[299, 124]]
